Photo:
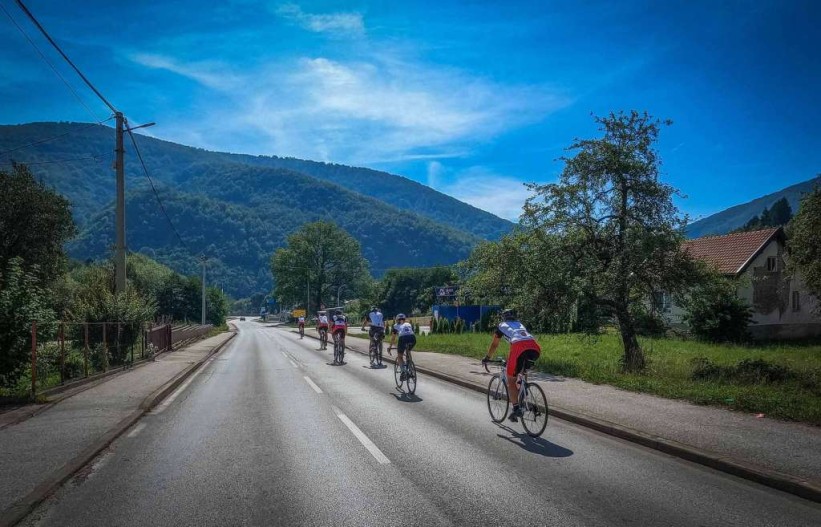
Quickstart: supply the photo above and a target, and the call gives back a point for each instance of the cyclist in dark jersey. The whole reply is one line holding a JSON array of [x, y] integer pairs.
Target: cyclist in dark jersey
[[524, 350]]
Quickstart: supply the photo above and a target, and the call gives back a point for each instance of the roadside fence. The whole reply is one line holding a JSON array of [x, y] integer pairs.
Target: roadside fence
[[67, 351]]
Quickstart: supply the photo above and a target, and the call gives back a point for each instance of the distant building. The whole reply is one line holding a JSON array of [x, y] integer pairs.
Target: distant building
[[782, 305]]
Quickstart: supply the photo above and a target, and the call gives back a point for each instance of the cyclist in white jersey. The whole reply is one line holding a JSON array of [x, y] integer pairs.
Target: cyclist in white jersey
[[322, 325], [376, 320], [407, 340], [524, 350]]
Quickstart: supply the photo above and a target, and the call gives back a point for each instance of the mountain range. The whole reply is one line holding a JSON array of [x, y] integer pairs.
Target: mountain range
[[735, 217], [236, 208]]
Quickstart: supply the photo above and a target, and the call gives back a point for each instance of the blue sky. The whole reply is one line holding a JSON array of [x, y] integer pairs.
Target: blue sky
[[472, 98]]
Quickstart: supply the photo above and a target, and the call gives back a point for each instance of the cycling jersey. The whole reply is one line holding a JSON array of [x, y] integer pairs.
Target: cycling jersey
[[340, 323], [323, 321], [376, 319], [524, 350], [301, 321], [404, 329], [513, 331]]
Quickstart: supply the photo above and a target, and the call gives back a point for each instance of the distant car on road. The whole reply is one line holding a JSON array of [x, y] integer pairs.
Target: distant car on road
[[242, 319]]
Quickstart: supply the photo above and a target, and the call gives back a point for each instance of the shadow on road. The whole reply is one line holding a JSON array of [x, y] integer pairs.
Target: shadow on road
[[537, 445], [407, 397]]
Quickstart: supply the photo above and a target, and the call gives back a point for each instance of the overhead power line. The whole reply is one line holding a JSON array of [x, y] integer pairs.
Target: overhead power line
[[60, 51], [156, 194], [76, 95]]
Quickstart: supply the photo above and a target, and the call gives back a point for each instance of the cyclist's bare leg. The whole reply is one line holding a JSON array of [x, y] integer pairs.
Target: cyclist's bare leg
[[513, 389]]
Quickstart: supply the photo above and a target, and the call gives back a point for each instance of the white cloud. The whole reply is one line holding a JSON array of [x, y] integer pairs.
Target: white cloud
[[500, 195], [367, 112], [209, 73], [343, 24]]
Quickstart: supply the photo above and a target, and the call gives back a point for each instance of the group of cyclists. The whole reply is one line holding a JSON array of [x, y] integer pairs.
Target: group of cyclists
[[524, 350], [337, 325]]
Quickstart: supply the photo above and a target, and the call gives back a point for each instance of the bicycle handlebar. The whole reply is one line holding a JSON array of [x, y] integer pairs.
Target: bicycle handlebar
[[494, 361]]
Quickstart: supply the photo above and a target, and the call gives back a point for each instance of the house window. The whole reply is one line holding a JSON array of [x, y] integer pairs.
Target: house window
[[796, 301], [662, 301], [772, 264]]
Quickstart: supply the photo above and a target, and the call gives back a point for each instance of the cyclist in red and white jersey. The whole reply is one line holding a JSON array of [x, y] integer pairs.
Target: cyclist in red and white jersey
[[524, 350], [322, 324], [339, 325]]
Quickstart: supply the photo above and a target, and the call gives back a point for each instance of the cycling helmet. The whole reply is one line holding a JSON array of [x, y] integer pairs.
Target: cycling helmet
[[338, 312], [509, 314], [373, 308], [400, 316]]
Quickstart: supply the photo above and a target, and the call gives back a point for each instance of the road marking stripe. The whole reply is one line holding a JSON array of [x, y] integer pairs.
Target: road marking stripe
[[293, 363], [313, 385], [137, 430], [165, 404], [284, 354], [367, 443]]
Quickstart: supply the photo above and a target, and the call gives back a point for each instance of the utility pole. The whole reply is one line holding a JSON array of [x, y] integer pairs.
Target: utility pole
[[203, 260], [119, 248]]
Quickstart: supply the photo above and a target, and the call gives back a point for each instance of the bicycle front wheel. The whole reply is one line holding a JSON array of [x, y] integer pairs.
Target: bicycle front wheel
[[411, 380], [497, 399], [534, 410]]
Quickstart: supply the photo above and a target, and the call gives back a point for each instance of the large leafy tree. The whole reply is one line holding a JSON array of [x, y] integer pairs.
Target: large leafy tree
[[411, 290], [804, 241], [528, 271], [35, 222], [616, 221], [321, 259]]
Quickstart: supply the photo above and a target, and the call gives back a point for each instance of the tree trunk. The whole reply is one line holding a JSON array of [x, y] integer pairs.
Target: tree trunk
[[633, 358]]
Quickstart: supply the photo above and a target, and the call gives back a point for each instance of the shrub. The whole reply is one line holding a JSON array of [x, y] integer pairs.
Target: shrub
[[715, 313], [649, 324], [747, 371]]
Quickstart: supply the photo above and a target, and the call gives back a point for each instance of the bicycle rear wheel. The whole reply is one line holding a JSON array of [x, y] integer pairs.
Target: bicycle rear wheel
[[397, 374], [534, 410], [411, 378], [372, 351], [497, 399]]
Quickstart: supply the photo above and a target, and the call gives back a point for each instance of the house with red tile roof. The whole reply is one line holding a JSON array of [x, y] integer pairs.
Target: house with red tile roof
[[782, 305]]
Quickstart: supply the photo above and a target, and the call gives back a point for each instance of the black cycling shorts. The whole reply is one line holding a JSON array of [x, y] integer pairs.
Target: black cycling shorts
[[376, 330], [406, 342]]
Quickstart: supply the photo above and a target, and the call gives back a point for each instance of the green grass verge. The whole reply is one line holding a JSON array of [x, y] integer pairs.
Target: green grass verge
[[671, 371]]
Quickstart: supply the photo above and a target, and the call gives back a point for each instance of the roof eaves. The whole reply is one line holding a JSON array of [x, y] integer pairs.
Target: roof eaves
[[758, 251]]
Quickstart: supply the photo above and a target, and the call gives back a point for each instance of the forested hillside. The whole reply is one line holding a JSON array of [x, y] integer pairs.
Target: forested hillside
[[66, 162], [736, 217], [237, 209]]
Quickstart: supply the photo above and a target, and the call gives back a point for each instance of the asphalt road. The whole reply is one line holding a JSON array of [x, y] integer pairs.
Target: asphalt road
[[270, 433]]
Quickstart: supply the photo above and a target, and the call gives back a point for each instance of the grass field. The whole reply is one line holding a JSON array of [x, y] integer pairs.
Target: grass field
[[778, 380]]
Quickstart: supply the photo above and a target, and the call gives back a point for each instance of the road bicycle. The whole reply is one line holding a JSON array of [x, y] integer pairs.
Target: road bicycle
[[323, 338], [339, 349], [410, 377], [301, 331], [375, 348], [532, 400]]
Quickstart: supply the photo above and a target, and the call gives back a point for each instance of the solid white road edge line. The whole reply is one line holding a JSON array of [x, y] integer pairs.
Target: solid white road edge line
[[313, 385], [137, 430], [165, 404], [367, 443]]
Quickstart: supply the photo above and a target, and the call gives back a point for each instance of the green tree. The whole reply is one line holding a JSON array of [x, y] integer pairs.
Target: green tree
[[804, 241], [411, 290], [22, 301], [528, 271], [35, 223], [713, 310], [617, 221], [321, 258], [780, 213]]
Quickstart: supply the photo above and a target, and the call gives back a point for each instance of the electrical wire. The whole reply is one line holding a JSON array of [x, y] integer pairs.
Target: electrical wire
[[56, 161], [60, 51], [156, 194], [76, 95]]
